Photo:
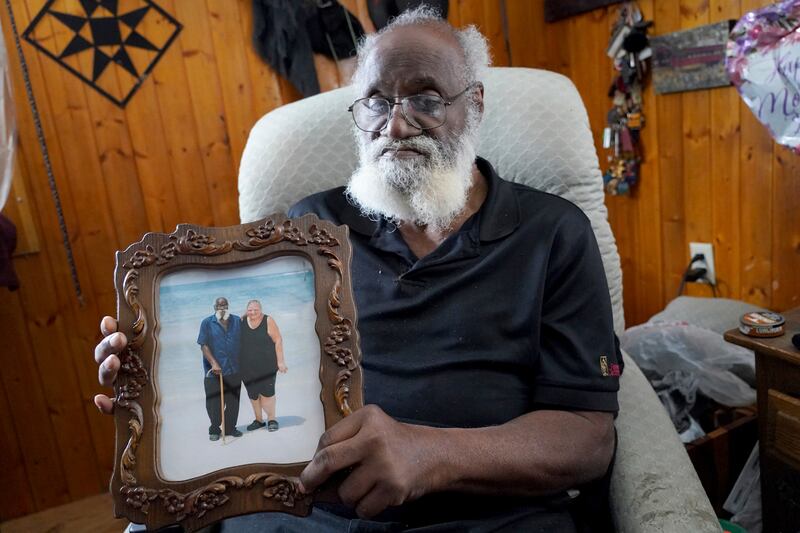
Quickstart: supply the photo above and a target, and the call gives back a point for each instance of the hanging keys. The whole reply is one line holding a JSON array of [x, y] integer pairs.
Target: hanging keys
[[634, 120], [629, 47]]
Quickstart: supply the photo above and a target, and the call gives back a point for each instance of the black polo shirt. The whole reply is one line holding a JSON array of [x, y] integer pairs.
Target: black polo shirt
[[509, 314]]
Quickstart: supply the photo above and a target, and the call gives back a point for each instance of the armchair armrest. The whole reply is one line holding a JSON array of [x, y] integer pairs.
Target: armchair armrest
[[654, 486]]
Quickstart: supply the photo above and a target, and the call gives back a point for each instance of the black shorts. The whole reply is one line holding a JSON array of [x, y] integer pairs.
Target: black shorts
[[261, 386]]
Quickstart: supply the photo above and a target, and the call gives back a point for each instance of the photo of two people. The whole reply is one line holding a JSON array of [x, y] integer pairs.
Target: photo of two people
[[209, 354], [246, 350]]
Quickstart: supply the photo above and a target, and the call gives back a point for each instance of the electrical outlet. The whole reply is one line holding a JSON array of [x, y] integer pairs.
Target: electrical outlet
[[707, 250]]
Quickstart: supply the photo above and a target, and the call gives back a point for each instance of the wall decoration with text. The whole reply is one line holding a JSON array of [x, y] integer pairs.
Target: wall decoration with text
[[691, 59], [111, 45]]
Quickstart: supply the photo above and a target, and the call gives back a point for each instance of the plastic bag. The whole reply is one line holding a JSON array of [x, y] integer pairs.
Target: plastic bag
[[676, 390], [744, 501], [664, 347]]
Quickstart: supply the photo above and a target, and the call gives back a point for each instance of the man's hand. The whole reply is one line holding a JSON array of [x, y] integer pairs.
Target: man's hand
[[390, 462], [105, 354], [216, 369], [282, 368]]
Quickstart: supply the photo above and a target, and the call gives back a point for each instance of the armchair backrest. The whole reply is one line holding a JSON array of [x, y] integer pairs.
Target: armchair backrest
[[535, 131]]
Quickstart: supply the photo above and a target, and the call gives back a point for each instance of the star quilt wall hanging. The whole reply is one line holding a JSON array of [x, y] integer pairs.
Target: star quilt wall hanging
[[112, 45]]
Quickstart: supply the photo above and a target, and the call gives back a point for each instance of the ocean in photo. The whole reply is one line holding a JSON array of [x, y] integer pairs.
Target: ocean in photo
[[285, 287]]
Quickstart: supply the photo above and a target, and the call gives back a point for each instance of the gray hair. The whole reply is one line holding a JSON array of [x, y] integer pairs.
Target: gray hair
[[254, 302], [473, 43]]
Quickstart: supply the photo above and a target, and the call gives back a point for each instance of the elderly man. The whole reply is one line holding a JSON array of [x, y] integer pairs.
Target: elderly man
[[490, 362], [219, 339]]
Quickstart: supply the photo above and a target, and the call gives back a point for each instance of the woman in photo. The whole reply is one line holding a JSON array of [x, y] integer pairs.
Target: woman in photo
[[261, 358]]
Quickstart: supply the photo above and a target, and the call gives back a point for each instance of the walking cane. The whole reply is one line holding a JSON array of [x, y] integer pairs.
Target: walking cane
[[222, 404]]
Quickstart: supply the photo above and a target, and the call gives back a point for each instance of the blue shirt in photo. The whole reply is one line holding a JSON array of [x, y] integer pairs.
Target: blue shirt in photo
[[224, 344]]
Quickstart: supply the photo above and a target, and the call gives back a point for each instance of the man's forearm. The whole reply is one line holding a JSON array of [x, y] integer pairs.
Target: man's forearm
[[538, 453], [208, 355], [391, 463]]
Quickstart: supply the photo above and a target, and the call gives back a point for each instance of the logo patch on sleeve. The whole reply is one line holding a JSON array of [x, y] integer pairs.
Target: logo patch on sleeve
[[608, 370], [604, 365]]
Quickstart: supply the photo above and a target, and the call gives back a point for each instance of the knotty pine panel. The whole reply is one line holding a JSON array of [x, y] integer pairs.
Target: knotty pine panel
[[696, 147], [725, 135], [785, 229], [649, 277]]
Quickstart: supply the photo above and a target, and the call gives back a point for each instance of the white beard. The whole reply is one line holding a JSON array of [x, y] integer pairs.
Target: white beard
[[428, 191], [222, 314]]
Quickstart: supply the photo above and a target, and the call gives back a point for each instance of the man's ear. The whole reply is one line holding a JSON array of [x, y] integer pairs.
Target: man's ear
[[479, 96]]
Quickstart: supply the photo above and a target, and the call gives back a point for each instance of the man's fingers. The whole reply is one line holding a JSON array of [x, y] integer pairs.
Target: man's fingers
[[342, 430], [104, 403], [108, 326], [376, 500], [328, 461], [108, 370], [357, 484], [112, 344]]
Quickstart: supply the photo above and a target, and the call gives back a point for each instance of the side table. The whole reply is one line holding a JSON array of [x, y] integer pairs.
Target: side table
[[778, 378]]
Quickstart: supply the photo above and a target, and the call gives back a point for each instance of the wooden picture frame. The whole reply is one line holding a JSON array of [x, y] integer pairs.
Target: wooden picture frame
[[141, 492]]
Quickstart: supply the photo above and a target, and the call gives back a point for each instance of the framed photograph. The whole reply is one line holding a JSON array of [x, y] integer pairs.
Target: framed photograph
[[242, 350]]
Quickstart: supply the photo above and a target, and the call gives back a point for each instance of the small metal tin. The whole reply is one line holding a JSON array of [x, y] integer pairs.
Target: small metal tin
[[761, 324]]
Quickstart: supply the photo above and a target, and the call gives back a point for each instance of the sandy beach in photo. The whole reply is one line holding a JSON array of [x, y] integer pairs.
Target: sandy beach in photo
[[285, 287]]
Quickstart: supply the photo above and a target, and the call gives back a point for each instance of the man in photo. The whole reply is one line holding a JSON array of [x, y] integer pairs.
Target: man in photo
[[219, 340]]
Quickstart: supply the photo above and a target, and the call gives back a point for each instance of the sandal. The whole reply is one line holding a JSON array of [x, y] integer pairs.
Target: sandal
[[256, 425], [272, 425]]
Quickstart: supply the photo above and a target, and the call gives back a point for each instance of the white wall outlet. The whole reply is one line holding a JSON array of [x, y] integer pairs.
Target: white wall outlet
[[707, 250]]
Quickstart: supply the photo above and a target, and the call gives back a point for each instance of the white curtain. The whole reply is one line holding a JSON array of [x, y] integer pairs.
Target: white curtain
[[8, 126]]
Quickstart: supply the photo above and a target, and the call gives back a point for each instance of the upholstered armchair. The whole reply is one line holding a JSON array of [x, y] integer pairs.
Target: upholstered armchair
[[535, 131]]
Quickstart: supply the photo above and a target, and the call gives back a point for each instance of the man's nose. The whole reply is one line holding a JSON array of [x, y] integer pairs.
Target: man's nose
[[397, 127]]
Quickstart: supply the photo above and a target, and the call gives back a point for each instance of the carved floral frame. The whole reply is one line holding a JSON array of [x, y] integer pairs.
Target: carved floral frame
[[139, 493]]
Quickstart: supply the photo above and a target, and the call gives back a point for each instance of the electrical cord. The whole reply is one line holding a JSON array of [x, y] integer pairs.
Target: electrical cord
[[694, 274]]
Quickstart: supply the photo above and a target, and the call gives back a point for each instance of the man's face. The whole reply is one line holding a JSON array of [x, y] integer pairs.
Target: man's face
[[221, 309], [406, 173], [416, 60]]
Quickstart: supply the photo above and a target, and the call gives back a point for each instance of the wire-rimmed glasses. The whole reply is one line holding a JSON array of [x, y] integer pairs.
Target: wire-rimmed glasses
[[422, 111]]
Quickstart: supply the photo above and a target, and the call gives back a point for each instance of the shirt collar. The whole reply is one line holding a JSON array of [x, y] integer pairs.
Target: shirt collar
[[499, 212]]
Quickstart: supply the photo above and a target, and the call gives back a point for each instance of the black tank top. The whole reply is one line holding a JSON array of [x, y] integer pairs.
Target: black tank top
[[257, 349]]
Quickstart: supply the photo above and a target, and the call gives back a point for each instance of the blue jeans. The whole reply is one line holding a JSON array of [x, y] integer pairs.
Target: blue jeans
[[556, 521]]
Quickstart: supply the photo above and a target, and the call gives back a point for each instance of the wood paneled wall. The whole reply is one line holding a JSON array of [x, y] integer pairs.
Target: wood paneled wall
[[711, 173]]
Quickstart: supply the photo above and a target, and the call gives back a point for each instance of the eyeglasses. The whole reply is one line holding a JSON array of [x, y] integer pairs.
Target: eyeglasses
[[422, 111]]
